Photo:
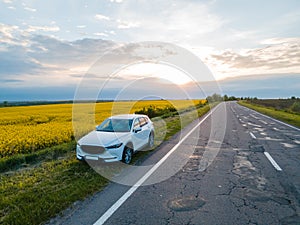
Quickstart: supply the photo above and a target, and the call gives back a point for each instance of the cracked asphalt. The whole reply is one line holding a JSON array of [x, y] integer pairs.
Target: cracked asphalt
[[222, 182]]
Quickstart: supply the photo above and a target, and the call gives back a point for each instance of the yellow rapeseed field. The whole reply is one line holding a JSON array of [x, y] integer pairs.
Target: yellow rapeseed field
[[31, 128]]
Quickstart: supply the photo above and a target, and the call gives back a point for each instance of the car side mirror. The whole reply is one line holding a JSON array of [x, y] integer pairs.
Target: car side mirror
[[136, 130]]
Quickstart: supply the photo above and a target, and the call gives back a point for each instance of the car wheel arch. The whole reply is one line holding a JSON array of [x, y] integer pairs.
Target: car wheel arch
[[151, 139], [129, 145], [126, 148]]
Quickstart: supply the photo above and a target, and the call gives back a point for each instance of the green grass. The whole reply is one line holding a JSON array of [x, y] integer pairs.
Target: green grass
[[288, 117], [176, 123], [35, 187], [24, 160], [33, 196]]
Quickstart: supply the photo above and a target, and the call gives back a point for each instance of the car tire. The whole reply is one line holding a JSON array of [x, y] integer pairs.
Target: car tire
[[127, 155], [82, 160], [151, 140]]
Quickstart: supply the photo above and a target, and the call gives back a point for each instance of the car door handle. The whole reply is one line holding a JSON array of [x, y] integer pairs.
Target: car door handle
[[137, 130]]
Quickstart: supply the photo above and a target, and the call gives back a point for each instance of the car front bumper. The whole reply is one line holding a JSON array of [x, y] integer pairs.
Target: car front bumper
[[112, 155]]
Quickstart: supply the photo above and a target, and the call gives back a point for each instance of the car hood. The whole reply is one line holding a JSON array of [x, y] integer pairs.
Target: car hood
[[99, 138]]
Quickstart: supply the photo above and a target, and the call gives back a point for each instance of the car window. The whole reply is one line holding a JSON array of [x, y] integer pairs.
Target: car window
[[115, 125], [147, 119], [106, 125], [143, 121], [136, 123]]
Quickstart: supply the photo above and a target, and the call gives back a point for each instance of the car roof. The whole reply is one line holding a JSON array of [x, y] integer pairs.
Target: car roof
[[127, 116]]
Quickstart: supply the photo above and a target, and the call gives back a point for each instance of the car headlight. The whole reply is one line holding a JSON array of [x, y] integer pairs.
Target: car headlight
[[114, 146]]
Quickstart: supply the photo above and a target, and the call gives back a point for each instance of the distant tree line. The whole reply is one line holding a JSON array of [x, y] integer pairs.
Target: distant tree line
[[30, 103], [218, 98], [153, 111], [291, 105]]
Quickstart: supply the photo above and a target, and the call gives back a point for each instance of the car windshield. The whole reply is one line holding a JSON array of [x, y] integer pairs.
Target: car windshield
[[115, 125]]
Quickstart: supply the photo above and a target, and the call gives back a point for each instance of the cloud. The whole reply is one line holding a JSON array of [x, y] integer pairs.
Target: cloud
[[127, 24], [42, 60], [7, 1], [179, 21], [7, 31], [116, 1], [101, 34], [43, 28], [176, 22], [101, 17], [11, 80], [30, 9], [254, 85], [263, 86], [282, 55], [47, 61], [112, 32], [11, 35], [15, 62], [274, 41], [97, 78], [50, 62]]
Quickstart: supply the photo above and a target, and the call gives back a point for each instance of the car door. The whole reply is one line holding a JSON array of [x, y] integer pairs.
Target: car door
[[145, 130], [137, 134]]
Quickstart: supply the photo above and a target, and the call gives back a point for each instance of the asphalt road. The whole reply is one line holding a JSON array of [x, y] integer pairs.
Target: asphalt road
[[236, 167]]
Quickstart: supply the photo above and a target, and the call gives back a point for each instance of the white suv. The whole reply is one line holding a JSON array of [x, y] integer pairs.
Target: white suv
[[117, 138]]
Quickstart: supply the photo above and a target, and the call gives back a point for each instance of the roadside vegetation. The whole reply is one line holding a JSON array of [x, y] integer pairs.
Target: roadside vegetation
[[29, 129], [34, 195], [286, 110], [168, 111], [39, 181], [291, 105]]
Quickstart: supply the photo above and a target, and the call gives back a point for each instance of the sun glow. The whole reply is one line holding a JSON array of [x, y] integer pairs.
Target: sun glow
[[163, 72]]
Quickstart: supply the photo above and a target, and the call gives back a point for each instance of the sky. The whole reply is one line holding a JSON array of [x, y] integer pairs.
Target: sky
[[48, 47]]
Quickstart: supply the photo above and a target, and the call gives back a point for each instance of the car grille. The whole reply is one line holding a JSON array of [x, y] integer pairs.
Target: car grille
[[92, 149]]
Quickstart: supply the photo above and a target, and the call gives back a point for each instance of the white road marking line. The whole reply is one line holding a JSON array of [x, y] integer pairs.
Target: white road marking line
[[254, 116], [259, 129], [255, 125], [252, 135], [270, 139], [264, 122], [121, 200], [278, 121], [287, 145], [272, 161]]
